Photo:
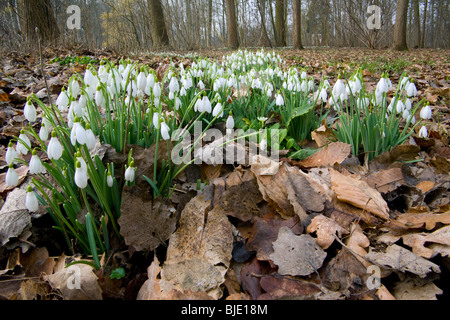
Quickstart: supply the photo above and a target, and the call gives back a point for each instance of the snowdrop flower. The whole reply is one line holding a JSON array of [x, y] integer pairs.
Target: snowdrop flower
[[230, 122], [165, 131], [35, 165], [141, 81], [31, 201], [130, 172], [339, 90], [11, 154], [406, 114], [99, 97], [63, 101], [404, 83], [109, 180], [78, 133], [382, 86], [201, 85], [54, 149], [323, 96], [174, 86], [23, 144], [426, 113], [411, 90], [80, 177], [177, 103], [400, 106], [280, 100], [103, 73], [11, 178], [183, 92], [218, 110], [408, 104], [74, 88], [155, 119], [423, 133], [89, 78], [90, 138], [157, 90], [206, 104], [263, 145], [29, 111]]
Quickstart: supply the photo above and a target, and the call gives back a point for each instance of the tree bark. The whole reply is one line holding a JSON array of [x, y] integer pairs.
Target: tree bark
[[265, 40], [280, 23], [160, 37], [297, 30], [38, 14], [400, 26], [424, 26], [416, 16], [233, 40]]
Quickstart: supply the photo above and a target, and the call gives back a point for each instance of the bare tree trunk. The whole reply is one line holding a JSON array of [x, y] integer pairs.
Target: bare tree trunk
[[424, 26], [400, 26], [416, 16], [209, 28], [280, 23], [233, 40], [38, 14], [160, 37], [297, 29], [262, 12]]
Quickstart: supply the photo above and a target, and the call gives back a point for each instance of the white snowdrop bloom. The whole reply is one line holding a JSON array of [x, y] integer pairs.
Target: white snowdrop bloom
[[23, 144], [77, 134], [109, 180], [423, 133], [411, 90], [156, 102], [31, 201], [130, 173], [412, 119], [54, 149], [323, 95], [99, 97], [201, 85], [157, 90], [218, 110], [198, 106], [400, 106], [103, 73], [29, 111], [43, 132], [405, 82], [206, 104], [80, 177], [165, 131], [62, 101], [174, 86], [90, 138], [263, 145], [11, 154], [141, 81], [408, 104], [303, 75], [406, 114], [155, 119], [89, 78], [339, 90], [177, 103], [11, 178], [83, 101], [150, 84], [230, 122], [74, 88], [183, 92], [426, 113], [382, 86], [279, 100], [363, 103], [35, 165]]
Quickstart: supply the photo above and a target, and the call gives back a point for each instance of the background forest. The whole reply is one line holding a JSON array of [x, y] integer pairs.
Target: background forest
[[127, 25]]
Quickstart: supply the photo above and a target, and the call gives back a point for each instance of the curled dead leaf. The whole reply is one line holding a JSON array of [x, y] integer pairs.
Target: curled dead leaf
[[325, 229]]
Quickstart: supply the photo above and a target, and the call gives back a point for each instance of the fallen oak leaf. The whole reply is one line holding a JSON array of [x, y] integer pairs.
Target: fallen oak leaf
[[418, 220], [358, 193], [325, 229], [417, 241], [296, 255], [335, 152]]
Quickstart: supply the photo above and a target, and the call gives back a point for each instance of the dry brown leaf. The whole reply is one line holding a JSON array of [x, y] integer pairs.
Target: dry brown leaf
[[22, 172], [359, 194], [285, 288], [199, 252], [384, 294], [325, 229], [335, 152], [413, 288], [385, 181], [296, 255], [151, 289], [358, 242], [323, 136], [417, 241], [157, 220], [401, 259], [425, 186], [418, 220]]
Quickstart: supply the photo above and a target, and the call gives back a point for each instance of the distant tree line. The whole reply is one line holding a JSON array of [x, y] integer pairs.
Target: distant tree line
[[147, 25]]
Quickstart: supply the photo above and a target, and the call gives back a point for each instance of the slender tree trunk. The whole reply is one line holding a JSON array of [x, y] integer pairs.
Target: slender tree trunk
[[160, 37], [325, 18], [424, 25], [417, 31], [262, 12], [38, 14], [280, 23], [297, 30], [233, 40], [400, 26]]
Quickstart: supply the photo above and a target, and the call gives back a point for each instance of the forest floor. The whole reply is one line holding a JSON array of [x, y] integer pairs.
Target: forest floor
[[249, 249]]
